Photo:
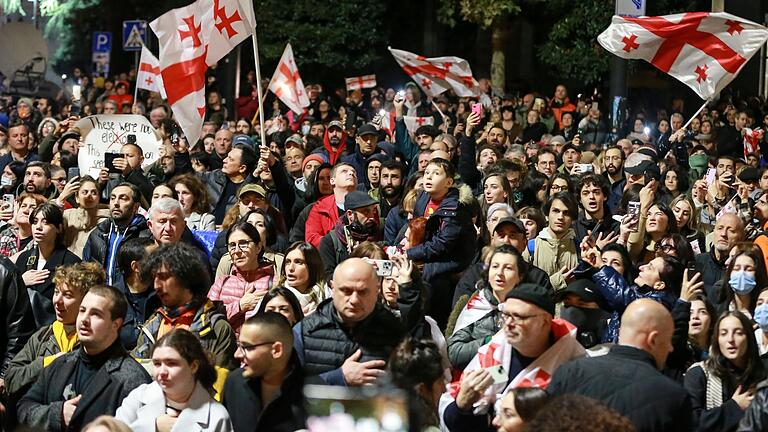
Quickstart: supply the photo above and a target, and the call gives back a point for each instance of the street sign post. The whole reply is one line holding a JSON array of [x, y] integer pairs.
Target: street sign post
[[100, 52], [134, 35]]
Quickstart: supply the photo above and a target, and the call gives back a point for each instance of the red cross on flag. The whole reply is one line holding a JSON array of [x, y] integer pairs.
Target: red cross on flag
[[148, 76], [703, 50], [286, 83], [191, 39], [361, 82], [412, 122], [438, 74]]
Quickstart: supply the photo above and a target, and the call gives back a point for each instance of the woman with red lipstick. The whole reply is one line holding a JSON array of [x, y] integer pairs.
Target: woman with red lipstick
[[181, 397], [722, 387]]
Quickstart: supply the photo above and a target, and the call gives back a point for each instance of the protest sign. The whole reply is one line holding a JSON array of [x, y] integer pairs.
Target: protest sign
[[108, 133]]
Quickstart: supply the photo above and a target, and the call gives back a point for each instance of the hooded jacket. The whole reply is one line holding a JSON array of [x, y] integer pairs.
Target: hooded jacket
[[104, 241], [334, 156], [450, 236]]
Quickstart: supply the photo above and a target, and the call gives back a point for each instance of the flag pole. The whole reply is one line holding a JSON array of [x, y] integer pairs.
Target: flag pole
[[685, 126], [258, 85], [438, 109]]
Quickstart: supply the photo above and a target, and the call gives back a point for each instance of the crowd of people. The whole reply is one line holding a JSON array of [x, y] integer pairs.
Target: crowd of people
[[515, 265]]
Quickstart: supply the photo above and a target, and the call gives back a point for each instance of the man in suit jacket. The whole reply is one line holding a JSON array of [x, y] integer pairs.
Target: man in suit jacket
[[91, 381]]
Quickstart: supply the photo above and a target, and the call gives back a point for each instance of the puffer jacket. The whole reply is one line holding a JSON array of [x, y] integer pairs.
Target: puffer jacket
[[16, 312], [463, 343], [323, 342], [618, 294], [230, 289], [450, 236], [322, 218], [209, 325], [551, 255]]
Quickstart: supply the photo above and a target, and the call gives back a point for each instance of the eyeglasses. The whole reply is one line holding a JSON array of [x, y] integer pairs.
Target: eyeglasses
[[243, 245], [514, 318], [558, 188], [60, 180], [250, 347], [664, 247]]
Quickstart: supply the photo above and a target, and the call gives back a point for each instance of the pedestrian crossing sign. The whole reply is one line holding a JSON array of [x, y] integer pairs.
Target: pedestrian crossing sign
[[134, 35]]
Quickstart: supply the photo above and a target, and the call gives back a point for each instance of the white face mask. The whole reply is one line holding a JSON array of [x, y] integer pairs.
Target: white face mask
[[6, 181]]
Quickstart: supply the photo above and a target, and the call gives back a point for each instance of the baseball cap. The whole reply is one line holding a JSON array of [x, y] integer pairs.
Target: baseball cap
[[242, 139], [357, 199], [252, 187], [515, 222], [336, 123], [367, 129], [294, 141], [585, 289], [535, 295]]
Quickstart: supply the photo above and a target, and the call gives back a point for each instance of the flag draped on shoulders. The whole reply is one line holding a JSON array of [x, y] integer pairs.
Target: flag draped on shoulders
[[538, 374], [703, 50]]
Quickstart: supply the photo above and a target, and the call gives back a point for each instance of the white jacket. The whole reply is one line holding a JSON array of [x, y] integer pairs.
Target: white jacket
[[147, 402]]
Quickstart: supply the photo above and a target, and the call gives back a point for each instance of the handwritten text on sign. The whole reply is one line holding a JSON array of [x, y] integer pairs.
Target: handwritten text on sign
[[108, 133]]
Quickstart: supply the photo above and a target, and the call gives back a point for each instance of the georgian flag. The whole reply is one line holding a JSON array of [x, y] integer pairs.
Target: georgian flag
[[191, 39], [361, 82], [286, 83], [411, 122], [148, 76], [538, 374], [477, 307], [703, 50], [438, 74]]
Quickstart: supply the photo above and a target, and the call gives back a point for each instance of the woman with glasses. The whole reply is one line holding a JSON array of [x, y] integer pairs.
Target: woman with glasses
[[560, 182], [249, 280], [38, 265], [181, 396]]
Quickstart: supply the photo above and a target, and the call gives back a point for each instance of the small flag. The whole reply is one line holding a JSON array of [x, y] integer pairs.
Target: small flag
[[361, 82]]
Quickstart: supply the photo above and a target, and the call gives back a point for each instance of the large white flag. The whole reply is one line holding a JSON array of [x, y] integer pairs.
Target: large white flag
[[287, 84], [191, 39], [148, 76], [703, 50], [438, 74]]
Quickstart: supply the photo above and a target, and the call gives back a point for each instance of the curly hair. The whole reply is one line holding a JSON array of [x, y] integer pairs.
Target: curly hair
[[576, 413], [202, 201], [80, 277], [181, 261]]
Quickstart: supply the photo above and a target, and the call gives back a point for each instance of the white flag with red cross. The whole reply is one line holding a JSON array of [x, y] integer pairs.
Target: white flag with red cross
[[412, 122], [148, 77], [438, 74], [361, 82], [703, 50], [286, 83], [191, 39]]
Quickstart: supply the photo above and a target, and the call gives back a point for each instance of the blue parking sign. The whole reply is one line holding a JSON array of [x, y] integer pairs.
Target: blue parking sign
[[134, 35], [102, 42]]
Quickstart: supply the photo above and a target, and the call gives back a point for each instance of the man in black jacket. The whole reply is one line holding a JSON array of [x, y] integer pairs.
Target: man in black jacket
[[271, 373], [124, 224], [346, 340], [627, 379], [91, 381], [15, 308]]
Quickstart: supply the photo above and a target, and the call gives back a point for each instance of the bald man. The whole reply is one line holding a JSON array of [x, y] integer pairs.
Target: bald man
[[628, 379], [346, 340]]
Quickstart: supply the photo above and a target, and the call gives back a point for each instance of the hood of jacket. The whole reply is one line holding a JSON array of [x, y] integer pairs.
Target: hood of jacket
[[333, 156]]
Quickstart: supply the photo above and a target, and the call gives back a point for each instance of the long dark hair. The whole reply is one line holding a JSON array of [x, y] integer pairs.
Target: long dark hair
[[312, 259], [630, 273], [754, 252], [531, 185], [285, 293], [753, 373], [190, 349], [269, 226]]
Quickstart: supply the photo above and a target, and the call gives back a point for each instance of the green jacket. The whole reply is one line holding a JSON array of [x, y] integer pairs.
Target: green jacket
[[464, 343], [27, 366]]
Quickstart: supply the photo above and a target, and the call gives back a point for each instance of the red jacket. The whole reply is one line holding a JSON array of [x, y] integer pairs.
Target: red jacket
[[322, 218]]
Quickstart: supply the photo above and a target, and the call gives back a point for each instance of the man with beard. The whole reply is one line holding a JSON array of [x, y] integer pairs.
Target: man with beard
[[124, 224], [390, 190], [367, 137], [37, 180], [614, 172], [360, 223], [334, 142]]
